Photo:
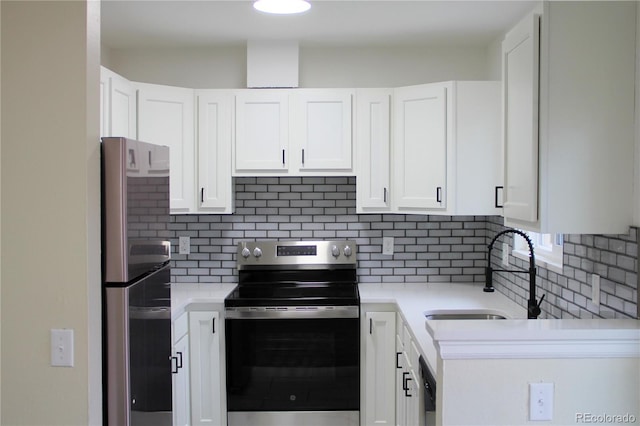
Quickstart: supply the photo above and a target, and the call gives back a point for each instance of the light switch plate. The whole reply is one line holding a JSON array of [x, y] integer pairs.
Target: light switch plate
[[62, 347], [540, 401]]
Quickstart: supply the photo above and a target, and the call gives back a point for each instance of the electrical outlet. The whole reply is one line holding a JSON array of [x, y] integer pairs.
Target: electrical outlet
[[387, 245], [595, 289], [184, 245], [540, 401], [505, 253], [62, 347]]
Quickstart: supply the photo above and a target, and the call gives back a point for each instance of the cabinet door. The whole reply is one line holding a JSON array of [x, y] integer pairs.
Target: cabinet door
[[373, 138], [104, 100], [206, 382], [420, 147], [214, 151], [118, 105], [520, 59], [262, 131], [166, 117], [322, 129], [123, 107], [181, 394], [401, 367], [379, 380]]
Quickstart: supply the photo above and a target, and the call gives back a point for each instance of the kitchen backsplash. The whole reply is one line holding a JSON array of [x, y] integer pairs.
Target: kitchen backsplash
[[568, 295], [427, 248]]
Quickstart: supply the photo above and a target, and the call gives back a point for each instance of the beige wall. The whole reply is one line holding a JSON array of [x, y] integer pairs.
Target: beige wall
[[50, 210], [319, 67]]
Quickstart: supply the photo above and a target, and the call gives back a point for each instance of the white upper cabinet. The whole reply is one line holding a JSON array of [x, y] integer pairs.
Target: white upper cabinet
[[520, 62], [166, 117], [373, 139], [446, 149], [118, 105], [302, 132], [579, 150], [476, 178], [214, 127], [420, 148], [322, 129], [261, 131]]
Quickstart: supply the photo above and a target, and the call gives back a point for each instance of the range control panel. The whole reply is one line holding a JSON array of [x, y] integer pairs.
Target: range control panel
[[296, 254]]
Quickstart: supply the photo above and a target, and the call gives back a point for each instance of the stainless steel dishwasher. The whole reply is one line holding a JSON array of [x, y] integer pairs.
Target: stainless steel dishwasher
[[429, 385]]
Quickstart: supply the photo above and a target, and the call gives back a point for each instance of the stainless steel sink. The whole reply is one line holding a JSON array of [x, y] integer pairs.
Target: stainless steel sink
[[464, 316]]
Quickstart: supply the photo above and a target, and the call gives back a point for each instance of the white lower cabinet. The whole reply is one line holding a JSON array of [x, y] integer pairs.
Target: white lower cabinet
[[181, 394], [378, 379], [409, 392], [198, 386], [180, 369], [206, 364]]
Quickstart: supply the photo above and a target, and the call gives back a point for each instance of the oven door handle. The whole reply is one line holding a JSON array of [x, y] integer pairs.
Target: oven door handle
[[298, 312]]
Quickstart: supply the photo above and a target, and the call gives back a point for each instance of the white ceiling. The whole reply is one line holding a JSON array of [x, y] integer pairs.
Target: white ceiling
[[200, 23]]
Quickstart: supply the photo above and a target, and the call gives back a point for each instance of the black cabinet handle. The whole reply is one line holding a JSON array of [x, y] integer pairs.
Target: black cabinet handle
[[202, 195], [283, 163], [303, 156], [398, 359], [385, 195], [213, 326], [179, 363], [174, 367], [498, 188], [405, 379], [439, 194], [149, 158], [406, 389], [370, 325]]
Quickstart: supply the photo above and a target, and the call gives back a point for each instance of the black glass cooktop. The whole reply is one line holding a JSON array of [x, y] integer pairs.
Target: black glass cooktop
[[295, 288]]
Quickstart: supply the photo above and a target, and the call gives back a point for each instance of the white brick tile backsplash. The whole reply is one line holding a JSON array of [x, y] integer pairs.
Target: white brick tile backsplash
[[427, 248]]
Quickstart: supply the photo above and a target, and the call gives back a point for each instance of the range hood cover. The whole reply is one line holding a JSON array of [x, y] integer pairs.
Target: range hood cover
[[272, 64]]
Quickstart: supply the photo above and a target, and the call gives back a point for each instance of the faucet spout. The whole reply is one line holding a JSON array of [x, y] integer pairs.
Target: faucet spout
[[533, 305]]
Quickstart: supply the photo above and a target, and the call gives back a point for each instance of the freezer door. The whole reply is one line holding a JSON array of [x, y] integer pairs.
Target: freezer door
[[138, 351]]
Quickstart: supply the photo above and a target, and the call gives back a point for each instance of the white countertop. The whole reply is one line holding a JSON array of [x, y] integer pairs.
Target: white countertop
[[454, 337], [416, 299], [198, 297]]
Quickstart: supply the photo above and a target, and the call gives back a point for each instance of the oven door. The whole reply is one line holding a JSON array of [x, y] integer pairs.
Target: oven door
[[292, 367]]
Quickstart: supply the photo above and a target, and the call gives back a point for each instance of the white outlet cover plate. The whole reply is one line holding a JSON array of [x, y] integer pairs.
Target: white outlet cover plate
[[184, 246], [387, 245]]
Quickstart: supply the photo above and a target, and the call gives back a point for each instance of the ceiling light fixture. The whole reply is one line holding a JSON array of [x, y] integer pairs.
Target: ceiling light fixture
[[282, 7]]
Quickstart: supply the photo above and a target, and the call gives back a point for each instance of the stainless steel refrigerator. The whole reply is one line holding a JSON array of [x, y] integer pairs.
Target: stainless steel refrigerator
[[136, 283]]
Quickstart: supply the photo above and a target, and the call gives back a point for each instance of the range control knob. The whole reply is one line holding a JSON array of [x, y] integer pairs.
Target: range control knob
[[257, 252], [347, 251], [335, 251], [246, 252]]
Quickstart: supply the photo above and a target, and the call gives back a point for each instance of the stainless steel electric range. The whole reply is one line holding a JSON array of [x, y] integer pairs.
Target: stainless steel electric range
[[293, 335]]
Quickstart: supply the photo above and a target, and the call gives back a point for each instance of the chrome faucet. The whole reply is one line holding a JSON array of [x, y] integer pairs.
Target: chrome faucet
[[533, 306]]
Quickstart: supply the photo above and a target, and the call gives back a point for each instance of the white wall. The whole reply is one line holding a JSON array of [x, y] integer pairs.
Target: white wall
[[319, 67], [50, 210], [496, 391]]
